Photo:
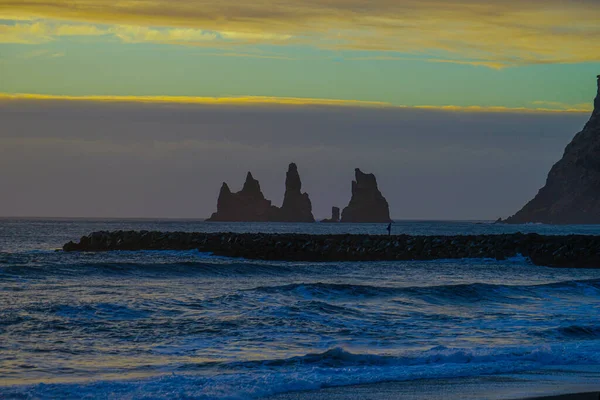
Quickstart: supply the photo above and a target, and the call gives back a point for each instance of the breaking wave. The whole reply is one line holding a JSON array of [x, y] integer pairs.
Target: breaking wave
[[335, 367]]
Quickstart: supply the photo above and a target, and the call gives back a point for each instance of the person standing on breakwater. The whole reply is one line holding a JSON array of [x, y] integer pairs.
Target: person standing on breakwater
[[389, 229]]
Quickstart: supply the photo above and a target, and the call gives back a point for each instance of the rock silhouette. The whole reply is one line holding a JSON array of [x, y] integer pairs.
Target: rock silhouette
[[572, 191], [367, 203], [250, 205], [296, 205], [335, 215]]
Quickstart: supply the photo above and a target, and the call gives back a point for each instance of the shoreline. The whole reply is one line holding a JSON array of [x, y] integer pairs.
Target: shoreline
[[572, 383], [570, 251], [570, 396]]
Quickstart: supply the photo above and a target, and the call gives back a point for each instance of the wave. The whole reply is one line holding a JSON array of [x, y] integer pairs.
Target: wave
[[157, 268], [329, 289], [457, 292], [114, 312], [440, 355], [332, 368], [573, 332]]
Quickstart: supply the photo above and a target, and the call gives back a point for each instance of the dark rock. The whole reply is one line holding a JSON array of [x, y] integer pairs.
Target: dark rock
[[249, 204], [570, 251], [335, 215], [367, 203], [296, 205], [572, 191], [69, 247]]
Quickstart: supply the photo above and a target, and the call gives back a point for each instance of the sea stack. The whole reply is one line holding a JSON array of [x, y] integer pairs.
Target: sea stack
[[296, 205], [367, 203], [335, 215], [572, 191], [248, 205]]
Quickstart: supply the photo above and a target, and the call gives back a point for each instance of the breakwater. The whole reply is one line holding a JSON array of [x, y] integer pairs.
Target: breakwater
[[574, 251]]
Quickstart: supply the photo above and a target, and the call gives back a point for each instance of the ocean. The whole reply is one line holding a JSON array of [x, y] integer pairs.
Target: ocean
[[185, 324]]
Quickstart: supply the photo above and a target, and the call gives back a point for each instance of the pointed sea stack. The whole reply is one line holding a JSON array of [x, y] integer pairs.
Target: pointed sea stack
[[249, 204], [296, 205], [572, 191], [367, 203]]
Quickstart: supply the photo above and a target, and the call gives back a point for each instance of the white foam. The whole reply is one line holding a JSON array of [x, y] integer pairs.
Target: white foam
[[333, 368]]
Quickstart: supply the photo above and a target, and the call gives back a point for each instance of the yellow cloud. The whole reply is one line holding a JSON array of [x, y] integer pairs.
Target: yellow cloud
[[24, 33], [40, 32], [563, 106], [281, 101], [255, 36], [37, 32], [237, 100], [14, 17], [487, 32], [137, 34]]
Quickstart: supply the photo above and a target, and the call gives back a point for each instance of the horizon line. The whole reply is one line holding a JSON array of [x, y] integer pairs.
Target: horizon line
[[204, 219]]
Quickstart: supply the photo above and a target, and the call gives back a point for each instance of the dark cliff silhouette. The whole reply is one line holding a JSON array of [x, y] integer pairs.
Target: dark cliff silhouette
[[250, 205], [367, 203], [572, 191]]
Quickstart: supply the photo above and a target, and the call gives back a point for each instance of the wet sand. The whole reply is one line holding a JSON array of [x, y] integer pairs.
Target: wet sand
[[568, 383], [392, 391], [574, 396]]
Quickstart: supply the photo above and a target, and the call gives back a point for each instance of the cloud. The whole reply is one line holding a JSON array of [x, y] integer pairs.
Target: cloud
[[475, 63], [486, 32], [139, 34], [40, 32], [43, 31], [238, 100], [549, 107], [564, 106], [66, 158]]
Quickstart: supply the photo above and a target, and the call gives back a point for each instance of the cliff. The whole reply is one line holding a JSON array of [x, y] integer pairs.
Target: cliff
[[571, 194], [367, 204]]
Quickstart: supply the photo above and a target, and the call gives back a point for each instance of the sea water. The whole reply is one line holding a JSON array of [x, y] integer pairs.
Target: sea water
[[185, 324]]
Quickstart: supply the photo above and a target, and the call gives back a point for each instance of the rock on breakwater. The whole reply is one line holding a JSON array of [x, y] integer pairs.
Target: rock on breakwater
[[573, 251]]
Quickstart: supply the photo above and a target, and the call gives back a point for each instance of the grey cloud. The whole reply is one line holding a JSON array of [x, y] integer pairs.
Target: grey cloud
[[89, 159]]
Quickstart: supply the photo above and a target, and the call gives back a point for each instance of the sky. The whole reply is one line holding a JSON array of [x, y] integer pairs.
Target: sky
[[470, 100]]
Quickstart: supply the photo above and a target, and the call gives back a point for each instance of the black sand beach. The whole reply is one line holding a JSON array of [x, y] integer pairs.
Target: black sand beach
[[505, 387]]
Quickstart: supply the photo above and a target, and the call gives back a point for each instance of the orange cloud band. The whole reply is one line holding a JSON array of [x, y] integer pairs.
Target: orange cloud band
[[281, 101]]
